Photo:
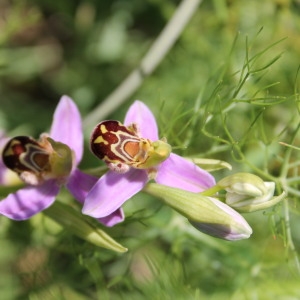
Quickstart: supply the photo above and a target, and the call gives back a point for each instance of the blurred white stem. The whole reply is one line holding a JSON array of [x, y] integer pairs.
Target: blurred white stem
[[153, 57]]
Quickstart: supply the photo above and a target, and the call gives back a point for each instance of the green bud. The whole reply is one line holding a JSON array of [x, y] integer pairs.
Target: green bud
[[76, 223], [207, 214], [243, 183], [247, 192]]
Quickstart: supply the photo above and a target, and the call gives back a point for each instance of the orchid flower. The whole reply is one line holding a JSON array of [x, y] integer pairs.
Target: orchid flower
[[116, 144], [47, 164]]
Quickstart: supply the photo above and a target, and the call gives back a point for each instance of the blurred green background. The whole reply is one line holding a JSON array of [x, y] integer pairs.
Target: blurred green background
[[228, 90]]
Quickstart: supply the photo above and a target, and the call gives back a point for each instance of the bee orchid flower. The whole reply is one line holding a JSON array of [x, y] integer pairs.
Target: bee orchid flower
[[134, 154], [47, 164]]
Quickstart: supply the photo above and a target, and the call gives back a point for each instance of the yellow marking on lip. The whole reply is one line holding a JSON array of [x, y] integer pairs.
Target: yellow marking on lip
[[9, 151], [100, 140], [103, 128]]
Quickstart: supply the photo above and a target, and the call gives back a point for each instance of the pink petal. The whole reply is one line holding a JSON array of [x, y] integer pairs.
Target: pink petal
[[80, 184], [182, 173], [113, 219], [140, 114], [112, 190], [220, 231], [29, 201], [67, 126]]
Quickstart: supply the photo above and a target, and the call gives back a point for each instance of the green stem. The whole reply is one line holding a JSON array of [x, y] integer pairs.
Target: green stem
[[285, 164]]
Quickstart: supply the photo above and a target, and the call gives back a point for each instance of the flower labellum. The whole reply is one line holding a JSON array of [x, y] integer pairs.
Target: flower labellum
[[121, 147], [37, 161]]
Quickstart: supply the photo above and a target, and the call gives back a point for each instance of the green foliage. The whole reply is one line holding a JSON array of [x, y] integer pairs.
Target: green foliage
[[227, 90]]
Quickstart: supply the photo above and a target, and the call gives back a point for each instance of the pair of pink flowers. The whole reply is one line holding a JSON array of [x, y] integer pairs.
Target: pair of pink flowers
[[31, 199], [102, 198]]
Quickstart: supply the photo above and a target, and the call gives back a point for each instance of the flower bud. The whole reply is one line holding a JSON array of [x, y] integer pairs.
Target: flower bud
[[244, 184], [207, 214], [247, 192]]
